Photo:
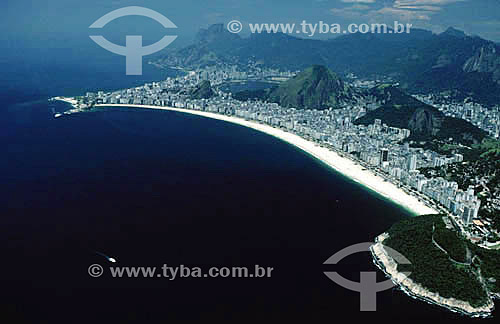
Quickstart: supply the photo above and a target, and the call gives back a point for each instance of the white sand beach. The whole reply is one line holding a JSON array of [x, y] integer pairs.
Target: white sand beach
[[72, 101], [343, 165]]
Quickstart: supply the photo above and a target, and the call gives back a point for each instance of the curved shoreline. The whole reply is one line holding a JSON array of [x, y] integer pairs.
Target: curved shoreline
[[388, 266], [340, 164]]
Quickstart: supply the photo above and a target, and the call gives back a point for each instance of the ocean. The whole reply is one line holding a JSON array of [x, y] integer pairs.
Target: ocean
[[157, 187]]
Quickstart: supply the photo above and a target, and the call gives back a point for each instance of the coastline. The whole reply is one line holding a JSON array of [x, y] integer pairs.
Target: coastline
[[74, 104], [340, 164], [387, 265], [72, 101]]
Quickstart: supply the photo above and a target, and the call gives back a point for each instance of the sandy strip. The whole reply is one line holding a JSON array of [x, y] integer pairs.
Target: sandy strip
[[73, 102], [343, 165]]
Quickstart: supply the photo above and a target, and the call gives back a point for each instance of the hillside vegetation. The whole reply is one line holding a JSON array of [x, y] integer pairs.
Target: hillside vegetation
[[439, 271]]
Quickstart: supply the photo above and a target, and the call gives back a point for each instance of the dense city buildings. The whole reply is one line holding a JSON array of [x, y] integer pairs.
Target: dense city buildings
[[377, 147]]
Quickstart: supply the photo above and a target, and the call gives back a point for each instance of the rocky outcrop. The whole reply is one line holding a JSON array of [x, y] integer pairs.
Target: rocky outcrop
[[202, 91], [485, 60], [425, 121], [387, 264]]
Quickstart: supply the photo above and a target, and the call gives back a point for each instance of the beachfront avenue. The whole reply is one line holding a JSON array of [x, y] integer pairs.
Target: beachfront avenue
[[374, 155]]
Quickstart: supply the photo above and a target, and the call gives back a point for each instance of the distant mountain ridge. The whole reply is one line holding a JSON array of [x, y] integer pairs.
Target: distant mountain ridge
[[421, 61], [211, 47]]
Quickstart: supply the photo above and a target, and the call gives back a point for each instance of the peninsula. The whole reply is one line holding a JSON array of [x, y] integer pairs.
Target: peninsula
[[446, 269]]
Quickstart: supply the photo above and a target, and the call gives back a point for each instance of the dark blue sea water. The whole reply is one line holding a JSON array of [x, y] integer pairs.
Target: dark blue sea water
[[150, 188]]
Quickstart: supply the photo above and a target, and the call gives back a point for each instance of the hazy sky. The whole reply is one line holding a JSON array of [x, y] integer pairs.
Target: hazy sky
[[62, 22]]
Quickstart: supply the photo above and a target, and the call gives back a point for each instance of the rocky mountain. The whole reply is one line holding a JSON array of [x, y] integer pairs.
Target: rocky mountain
[[486, 59], [451, 61], [421, 61], [203, 90], [316, 87], [216, 34], [453, 32], [212, 46], [425, 122]]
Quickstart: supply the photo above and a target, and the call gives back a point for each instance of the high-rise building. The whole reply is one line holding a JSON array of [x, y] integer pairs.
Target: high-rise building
[[412, 162], [384, 155], [477, 205], [459, 157], [406, 147], [470, 193], [467, 215]]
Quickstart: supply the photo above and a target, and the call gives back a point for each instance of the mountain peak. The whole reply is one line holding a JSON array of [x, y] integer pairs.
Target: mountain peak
[[216, 28], [319, 68], [316, 87], [454, 32], [215, 32]]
